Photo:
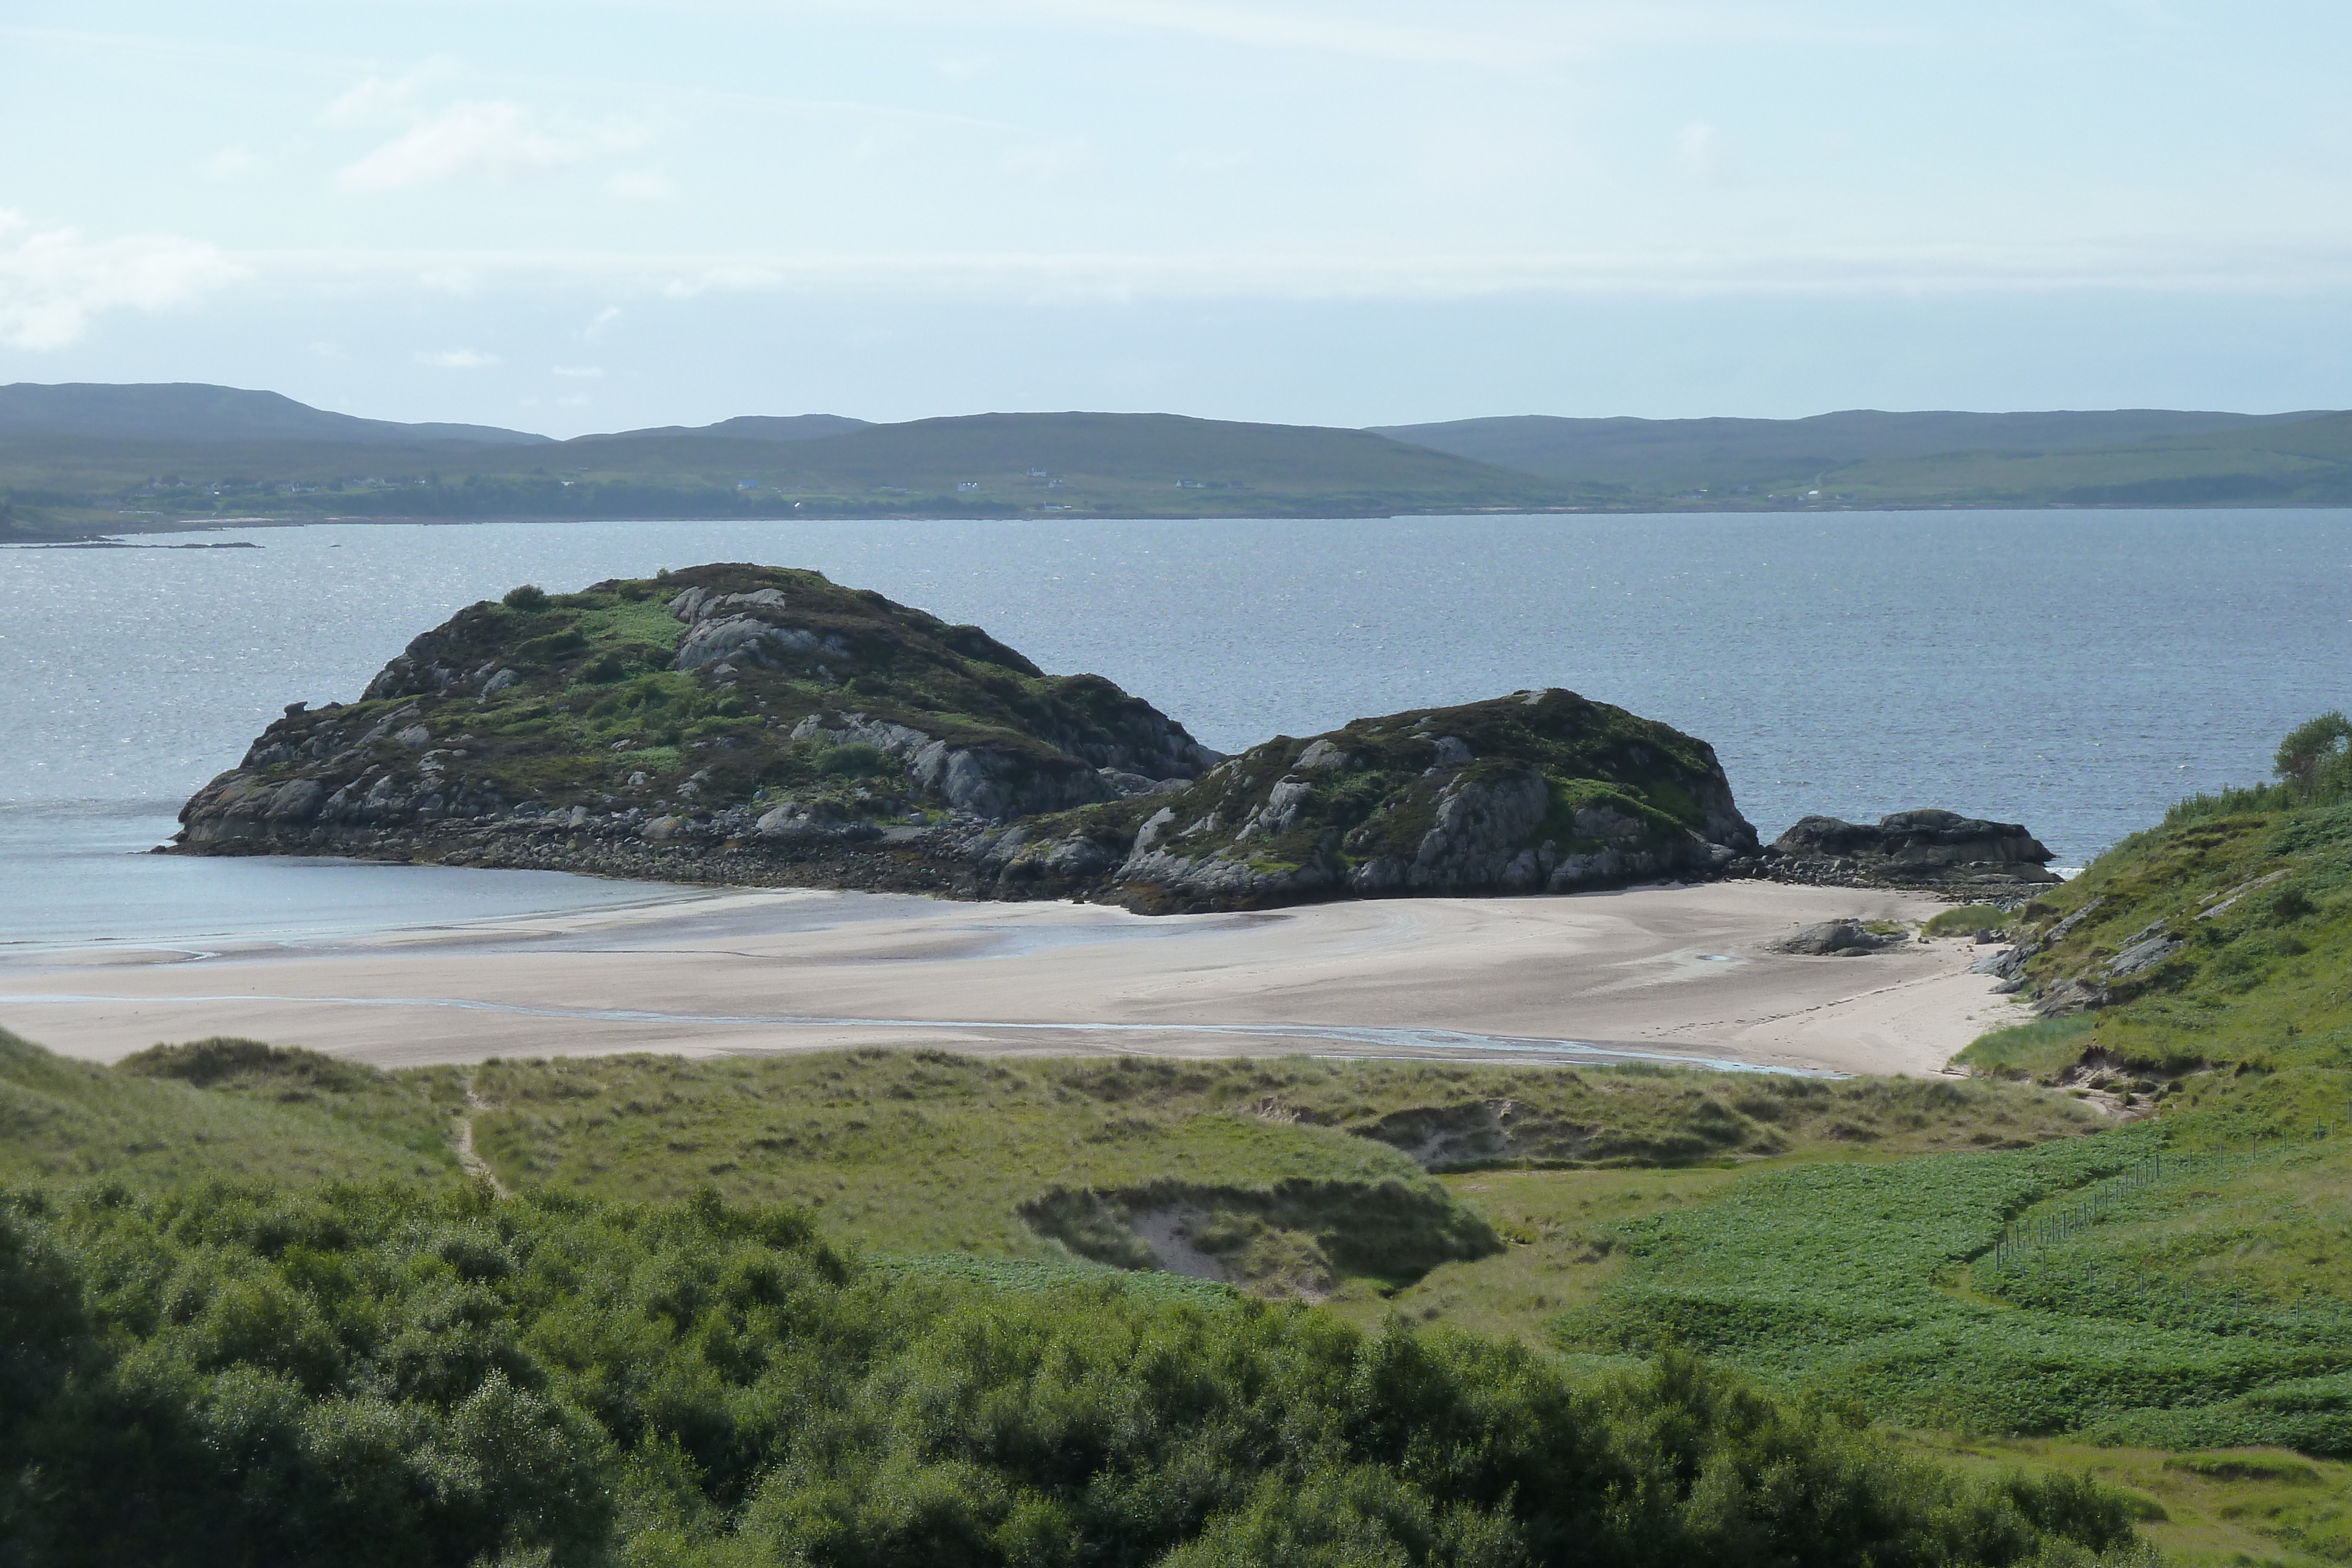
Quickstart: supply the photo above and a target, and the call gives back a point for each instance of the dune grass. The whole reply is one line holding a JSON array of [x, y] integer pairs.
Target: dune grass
[[145, 1125], [932, 1152]]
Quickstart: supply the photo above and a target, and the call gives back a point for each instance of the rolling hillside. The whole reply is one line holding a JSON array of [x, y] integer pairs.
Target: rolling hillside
[[191, 411], [994, 464], [1737, 459], [78, 460]]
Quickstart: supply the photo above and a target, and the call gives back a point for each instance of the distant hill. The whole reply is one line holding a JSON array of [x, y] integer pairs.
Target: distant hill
[[191, 411], [2301, 461], [753, 427], [75, 459], [1675, 456], [1134, 464], [993, 465]]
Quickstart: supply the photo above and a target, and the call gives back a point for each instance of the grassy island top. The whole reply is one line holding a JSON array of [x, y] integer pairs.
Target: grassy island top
[[598, 699]]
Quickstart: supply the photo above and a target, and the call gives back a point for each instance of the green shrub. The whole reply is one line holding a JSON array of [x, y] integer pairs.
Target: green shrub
[[2316, 751], [854, 759], [526, 597], [207, 1063], [1968, 918], [377, 1376]]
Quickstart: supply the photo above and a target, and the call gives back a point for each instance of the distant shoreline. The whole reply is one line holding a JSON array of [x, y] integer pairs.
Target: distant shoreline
[[98, 532]]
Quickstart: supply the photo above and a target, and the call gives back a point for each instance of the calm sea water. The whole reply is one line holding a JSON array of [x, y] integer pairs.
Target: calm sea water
[[2076, 672]]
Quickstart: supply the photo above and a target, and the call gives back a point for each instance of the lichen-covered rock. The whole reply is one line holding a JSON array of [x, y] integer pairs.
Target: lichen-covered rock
[[1533, 793]]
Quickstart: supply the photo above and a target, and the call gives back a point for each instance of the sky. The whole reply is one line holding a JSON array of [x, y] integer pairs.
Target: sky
[[567, 215]]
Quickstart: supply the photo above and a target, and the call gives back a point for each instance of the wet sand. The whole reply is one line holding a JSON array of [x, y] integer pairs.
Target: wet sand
[[1664, 974]]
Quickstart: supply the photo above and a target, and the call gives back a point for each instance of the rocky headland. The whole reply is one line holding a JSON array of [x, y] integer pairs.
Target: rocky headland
[[764, 727]]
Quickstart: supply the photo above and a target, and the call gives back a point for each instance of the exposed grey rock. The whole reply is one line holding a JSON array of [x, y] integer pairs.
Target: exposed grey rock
[[796, 820], [700, 603], [1833, 938], [1910, 848], [2145, 953], [746, 640], [1128, 785]]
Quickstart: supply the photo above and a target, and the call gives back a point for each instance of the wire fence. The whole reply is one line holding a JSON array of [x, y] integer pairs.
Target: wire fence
[[2024, 1238]]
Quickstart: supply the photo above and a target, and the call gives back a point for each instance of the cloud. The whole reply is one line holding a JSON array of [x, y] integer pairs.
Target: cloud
[[596, 325], [54, 281], [580, 373], [638, 187], [230, 163], [490, 141], [458, 360], [964, 67], [376, 100], [1532, 37], [1054, 162], [1211, 161], [1704, 157]]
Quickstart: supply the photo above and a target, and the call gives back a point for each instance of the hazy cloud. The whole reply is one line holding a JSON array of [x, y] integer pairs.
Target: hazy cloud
[[1702, 155], [230, 163], [458, 360], [1054, 162], [638, 187], [580, 373], [596, 325], [376, 100], [53, 281], [485, 139], [492, 140], [1532, 38], [1211, 161]]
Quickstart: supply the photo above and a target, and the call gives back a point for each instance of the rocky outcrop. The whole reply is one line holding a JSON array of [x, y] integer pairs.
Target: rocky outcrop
[[673, 706], [1539, 791], [1927, 849], [752, 724]]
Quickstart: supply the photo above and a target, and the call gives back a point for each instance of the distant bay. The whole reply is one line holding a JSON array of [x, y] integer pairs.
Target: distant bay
[[2075, 671]]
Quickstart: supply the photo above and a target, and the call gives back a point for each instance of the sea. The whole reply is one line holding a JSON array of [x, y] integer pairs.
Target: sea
[[2073, 671]]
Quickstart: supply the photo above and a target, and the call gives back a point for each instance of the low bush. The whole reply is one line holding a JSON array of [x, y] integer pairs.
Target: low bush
[[374, 1375]]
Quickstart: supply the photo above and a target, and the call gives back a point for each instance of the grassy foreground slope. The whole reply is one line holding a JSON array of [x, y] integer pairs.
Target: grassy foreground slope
[[2179, 1282], [200, 1370], [1292, 1175]]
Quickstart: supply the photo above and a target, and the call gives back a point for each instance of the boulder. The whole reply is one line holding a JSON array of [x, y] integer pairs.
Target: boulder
[[1833, 939]]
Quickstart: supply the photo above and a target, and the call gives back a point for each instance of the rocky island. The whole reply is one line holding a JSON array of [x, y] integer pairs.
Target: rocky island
[[760, 725]]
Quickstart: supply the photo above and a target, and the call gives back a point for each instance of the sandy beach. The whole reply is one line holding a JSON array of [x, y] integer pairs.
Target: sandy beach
[[1668, 973]]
